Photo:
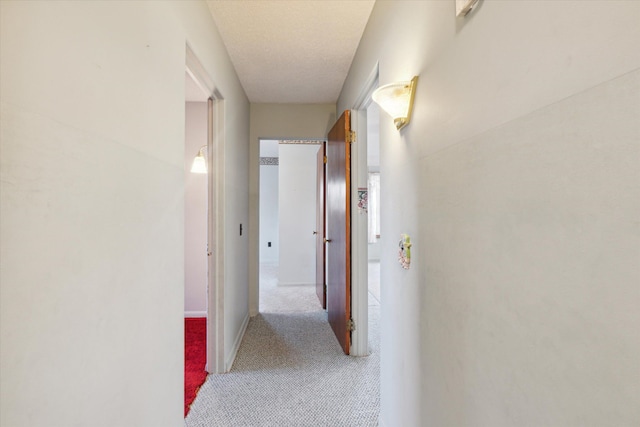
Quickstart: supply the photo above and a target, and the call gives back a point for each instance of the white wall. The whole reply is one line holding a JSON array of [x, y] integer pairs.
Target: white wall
[[297, 199], [269, 215], [274, 122], [195, 213], [517, 180], [92, 208]]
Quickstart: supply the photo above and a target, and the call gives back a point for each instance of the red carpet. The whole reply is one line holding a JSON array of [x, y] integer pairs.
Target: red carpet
[[195, 357]]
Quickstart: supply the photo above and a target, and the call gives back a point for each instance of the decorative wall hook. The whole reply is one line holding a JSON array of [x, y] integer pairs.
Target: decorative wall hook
[[404, 253]]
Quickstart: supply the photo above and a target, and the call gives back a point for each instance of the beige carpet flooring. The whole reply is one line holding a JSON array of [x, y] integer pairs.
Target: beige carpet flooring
[[290, 370]]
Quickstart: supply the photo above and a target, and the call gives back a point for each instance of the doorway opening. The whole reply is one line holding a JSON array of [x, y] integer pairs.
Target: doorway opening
[[195, 241], [287, 216], [365, 167], [195, 207], [373, 219], [269, 247], [204, 219]]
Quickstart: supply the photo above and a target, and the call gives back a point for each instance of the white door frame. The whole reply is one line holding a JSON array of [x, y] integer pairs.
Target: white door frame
[[360, 221], [215, 214]]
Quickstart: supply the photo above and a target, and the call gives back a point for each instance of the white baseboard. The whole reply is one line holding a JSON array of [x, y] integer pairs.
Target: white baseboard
[[295, 284], [236, 345], [188, 314]]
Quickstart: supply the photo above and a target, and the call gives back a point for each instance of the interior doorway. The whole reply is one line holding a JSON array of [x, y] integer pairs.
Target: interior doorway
[[367, 235], [195, 208], [373, 226], [287, 195], [269, 217], [195, 239], [209, 120]]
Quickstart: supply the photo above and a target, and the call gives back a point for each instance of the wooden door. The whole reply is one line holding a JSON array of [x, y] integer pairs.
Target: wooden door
[[338, 205], [321, 289]]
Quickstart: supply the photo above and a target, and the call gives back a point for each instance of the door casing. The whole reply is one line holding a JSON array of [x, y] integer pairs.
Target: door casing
[[359, 223], [321, 282]]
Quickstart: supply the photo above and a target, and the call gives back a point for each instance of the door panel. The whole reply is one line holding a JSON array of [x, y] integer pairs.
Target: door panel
[[320, 231], [338, 206]]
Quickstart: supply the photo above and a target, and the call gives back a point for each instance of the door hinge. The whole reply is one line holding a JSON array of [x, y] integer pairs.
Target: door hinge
[[325, 160], [351, 325], [351, 137]]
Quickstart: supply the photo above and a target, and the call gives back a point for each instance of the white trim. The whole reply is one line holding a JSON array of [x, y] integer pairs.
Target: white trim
[[236, 344], [193, 314], [216, 230], [359, 222], [370, 85], [197, 72]]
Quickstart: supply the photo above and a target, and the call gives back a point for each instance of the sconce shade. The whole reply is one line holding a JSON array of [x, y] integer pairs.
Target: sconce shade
[[396, 99], [200, 162]]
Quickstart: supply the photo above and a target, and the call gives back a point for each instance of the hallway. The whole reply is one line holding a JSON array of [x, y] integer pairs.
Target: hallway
[[290, 370]]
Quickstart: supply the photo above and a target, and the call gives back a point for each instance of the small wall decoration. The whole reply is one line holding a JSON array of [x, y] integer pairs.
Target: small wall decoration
[[404, 252], [363, 200]]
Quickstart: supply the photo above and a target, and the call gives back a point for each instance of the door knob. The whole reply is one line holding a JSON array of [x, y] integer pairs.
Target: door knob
[[327, 240]]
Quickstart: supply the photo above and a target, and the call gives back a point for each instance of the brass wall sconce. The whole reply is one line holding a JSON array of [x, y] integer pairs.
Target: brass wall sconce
[[396, 99]]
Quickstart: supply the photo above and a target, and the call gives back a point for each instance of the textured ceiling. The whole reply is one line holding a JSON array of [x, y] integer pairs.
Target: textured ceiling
[[291, 51]]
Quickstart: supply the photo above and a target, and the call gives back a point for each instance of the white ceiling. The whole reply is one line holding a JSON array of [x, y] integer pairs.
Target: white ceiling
[[291, 51]]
